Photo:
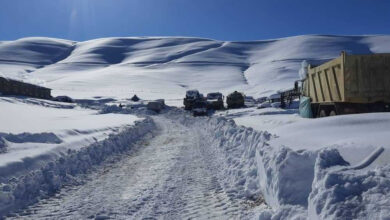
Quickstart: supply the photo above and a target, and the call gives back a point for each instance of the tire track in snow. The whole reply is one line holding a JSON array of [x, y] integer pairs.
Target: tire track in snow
[[171, 177]]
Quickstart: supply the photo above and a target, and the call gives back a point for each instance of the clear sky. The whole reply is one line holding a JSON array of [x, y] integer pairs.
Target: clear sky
[[234, 20]]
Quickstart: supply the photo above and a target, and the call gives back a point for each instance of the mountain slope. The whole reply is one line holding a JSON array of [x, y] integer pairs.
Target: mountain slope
[[164, 67]]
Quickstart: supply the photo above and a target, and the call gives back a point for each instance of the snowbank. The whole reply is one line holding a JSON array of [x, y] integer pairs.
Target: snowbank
[[44, 137], [38, 129], [25, 189], [252, 168], [345, 193], [296, 184]]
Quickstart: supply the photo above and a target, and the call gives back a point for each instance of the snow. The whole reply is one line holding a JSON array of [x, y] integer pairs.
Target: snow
[[51, 175], [303, 70], [279, 156], [296, 143], [32, 128], [165, 67], [175, 175], [348, 193]]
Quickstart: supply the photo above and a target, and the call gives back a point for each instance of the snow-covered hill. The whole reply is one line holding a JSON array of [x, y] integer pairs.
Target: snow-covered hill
[[164, 67], [299, 171]]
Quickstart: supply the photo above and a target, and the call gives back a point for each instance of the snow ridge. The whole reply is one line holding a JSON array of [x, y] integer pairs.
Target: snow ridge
[[26, 189], [251, 168], [301, 184]]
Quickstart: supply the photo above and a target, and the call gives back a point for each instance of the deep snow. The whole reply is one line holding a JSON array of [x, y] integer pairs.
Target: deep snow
[[355, 136], [51, 173], [172, 176], [296, 165], [165, 67], [35, 128]]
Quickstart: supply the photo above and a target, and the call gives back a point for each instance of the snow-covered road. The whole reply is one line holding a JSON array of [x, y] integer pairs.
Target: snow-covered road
[[171, 176]]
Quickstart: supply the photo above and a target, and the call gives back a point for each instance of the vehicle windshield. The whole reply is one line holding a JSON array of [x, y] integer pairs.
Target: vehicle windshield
[[215, 95], [192, 93], [249, 98]]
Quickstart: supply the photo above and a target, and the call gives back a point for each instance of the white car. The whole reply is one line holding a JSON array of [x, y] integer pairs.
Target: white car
[[265, 104]]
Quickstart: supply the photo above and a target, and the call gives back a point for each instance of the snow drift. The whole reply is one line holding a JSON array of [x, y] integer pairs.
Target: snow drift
[[19, 191], [349, 193], [296, 184]]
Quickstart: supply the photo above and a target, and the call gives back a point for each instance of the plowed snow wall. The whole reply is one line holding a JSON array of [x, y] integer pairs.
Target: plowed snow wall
[[28, 188]]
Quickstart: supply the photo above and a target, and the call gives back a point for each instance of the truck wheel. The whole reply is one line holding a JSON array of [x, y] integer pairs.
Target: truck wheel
[[323, 113], [332, 113]]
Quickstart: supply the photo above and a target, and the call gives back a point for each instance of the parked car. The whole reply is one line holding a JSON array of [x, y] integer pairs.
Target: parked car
[[274, 98], [249, 101], [265, 104], [215, 100], [261, 99]]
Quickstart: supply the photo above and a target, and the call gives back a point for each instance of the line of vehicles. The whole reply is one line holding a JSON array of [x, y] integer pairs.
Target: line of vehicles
[[200, 105]]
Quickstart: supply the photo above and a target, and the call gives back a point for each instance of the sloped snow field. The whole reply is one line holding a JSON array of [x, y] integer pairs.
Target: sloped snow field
[[66, 161]]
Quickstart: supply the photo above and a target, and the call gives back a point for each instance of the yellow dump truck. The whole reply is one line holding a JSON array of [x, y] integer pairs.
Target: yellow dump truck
[[349, 84]]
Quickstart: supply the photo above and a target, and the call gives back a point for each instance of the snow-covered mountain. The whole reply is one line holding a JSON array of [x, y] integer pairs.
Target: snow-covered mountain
[[296, 171], [164, 67]]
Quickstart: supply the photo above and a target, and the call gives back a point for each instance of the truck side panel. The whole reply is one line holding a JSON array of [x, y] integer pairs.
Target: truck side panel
[[326, 82], [367, 78]]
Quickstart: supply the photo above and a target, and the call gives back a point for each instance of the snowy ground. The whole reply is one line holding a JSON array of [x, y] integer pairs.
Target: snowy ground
[[165, 67], [212, 168], [336, 192], [33, 128], [285, 167], [172, 175], [355, 136]]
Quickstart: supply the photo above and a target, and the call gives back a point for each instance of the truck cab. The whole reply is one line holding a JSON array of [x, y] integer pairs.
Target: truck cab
[[199, 108], [191, 97], [214, 100]]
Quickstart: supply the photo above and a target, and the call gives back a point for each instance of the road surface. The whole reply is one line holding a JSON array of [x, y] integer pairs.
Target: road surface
[[171, 176]]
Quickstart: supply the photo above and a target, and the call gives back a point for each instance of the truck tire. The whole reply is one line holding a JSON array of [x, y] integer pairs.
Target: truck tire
[[323, 113], [332, 113]]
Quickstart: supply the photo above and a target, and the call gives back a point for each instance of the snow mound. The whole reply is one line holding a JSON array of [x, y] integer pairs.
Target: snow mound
[[251, 168], [20, 191], [45, 137], [295, 184], [348, 193]]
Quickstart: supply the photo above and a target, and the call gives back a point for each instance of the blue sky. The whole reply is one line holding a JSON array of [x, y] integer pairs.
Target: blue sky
[[234, 20]]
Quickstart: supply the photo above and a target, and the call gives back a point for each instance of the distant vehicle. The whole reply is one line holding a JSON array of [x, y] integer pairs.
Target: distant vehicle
[[346, 85], [261, 99], [191, 97], [215, 100], [63, 98], [274, 98], [265, 104], [249, 101], [199, 107], [235, 100], [156, 105]]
